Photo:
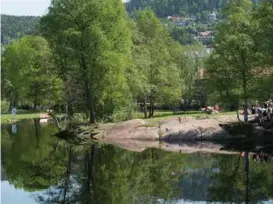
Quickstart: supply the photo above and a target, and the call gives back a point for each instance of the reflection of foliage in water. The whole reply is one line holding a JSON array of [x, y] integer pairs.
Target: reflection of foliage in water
[[108, 174], [94, 173], [30, 161], [143, 176], [229, 184]]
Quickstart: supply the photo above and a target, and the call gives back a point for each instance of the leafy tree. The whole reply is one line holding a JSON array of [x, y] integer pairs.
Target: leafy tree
[[16, 27], [153, 60], [264, 16], [28, 67], [97, 36], [193, 88], [236, 49]]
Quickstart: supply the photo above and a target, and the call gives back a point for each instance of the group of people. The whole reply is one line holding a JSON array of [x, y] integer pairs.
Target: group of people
[[262, 157], [211, 109], [267, 107], [265, 113]]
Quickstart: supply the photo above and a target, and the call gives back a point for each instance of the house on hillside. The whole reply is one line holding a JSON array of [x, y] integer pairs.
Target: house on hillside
[[179, 21], [205, 37]]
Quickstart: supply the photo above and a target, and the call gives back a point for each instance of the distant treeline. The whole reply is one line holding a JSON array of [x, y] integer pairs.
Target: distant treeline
[[164, 8], [15, 27]]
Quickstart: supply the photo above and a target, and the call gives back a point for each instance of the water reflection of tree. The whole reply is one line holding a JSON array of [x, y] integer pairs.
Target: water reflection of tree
[[106, 174], [241, 180], [27, 162], [66, 189]]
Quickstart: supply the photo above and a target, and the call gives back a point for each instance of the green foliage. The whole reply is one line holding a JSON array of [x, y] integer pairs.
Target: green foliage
[[236, 57], [32, 153], [4, 106], [96, 36], [156, 69], [264, 16], [100, 173], [229, 184], [16, 27], [184, 35], [30, 58], [185, 8], [9, 118]]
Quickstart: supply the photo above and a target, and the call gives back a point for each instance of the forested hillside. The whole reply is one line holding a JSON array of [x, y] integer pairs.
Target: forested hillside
[[176, 7], [164, 8], [15, 27]]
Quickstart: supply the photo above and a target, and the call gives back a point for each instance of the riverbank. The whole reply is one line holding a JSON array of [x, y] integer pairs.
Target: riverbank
[[159, 115]]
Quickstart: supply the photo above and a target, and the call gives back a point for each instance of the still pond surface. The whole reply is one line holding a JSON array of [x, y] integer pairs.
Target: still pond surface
[[37, 167]]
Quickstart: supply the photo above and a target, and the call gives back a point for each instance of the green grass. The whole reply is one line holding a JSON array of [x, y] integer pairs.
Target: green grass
[[164, 115], [161, 115], [8, 118]]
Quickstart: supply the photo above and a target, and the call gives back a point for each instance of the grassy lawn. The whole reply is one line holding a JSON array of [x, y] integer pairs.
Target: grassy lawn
[[164, 115], [7, 118], [159, 115]]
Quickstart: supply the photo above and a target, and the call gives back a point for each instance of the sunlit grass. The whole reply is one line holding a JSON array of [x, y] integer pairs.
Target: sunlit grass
[[8, 118], [159, 115]]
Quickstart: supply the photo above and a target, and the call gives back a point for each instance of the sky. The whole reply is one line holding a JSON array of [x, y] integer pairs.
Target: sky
[[24, 7]]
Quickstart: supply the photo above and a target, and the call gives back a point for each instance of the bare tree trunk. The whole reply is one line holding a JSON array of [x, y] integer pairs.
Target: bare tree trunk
[[89, 99], [10, 106], [35, 101], [68, 99], [238, 117], [245, 98], [153, 108], [150, 108], [145, 108]]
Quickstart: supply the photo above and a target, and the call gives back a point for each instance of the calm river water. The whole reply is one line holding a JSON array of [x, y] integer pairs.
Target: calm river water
[[37, 167]]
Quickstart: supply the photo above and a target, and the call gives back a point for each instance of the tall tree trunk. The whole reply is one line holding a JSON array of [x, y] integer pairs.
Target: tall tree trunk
[[35, 102], [10, 105], [89, 98], [68, 99], [238, 116], [174, 110], [153, 108], [145, 108], [150, 107], [36, 96], [245, 98]]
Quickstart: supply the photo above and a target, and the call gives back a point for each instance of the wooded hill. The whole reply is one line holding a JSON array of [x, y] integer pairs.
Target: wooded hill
[[164, 8], [15, 27]]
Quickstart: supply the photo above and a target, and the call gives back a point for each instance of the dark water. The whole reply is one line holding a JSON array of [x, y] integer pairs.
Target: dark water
[[39, 168]]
